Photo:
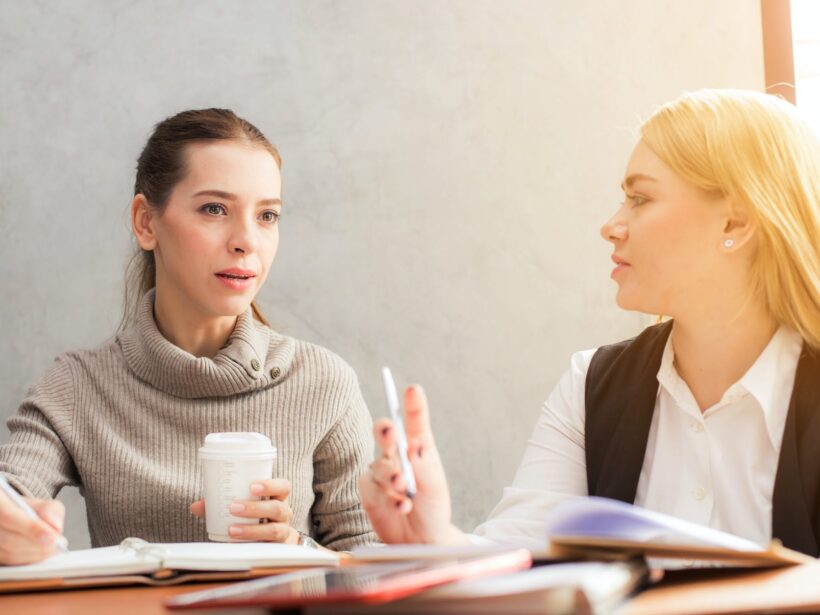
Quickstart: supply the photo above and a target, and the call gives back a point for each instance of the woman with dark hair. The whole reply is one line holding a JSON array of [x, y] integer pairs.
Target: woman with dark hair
[[194, 355]]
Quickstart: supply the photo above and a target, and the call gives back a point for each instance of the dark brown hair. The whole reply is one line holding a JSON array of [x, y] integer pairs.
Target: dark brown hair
[[162, 165]]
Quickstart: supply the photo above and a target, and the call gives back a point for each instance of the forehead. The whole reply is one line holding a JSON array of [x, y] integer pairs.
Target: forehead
[[643, 161], [232, 166]]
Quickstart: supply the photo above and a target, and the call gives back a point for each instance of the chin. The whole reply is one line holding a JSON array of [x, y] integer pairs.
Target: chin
[[628, 301], [233, 306]]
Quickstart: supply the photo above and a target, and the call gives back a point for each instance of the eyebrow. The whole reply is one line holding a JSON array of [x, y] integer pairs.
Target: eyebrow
[[220, 194], [627, 183]]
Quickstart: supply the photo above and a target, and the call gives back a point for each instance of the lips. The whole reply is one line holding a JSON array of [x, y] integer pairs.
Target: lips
[[236, 274], [620, 265], [618, 260], [237, 280]]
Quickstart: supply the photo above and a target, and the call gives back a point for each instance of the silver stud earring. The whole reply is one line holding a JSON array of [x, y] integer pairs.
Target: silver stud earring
[[728, 243]]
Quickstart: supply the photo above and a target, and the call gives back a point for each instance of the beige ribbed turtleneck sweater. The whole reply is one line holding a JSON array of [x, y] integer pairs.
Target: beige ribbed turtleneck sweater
[[124, 421]]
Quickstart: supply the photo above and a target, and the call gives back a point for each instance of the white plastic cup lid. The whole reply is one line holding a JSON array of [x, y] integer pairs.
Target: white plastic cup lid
[[237, 442]]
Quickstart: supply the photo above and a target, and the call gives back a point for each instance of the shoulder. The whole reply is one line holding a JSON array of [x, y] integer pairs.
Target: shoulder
[[328, 384], [316, 365], [639, 351], [323, 363], [91, 363], [567, 398], [71, 366], [590, 367], [54, 393]]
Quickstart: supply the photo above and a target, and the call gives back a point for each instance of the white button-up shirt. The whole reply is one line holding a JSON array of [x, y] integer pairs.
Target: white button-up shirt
[[716, 467]]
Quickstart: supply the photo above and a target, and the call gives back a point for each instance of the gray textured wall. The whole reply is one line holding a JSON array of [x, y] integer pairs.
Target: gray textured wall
[[447, 167]]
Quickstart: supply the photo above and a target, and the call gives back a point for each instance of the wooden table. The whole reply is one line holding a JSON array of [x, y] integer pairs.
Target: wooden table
[[784, 590], [135, 600]]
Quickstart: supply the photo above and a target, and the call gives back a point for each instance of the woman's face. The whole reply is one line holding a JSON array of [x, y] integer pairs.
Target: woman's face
[[218, 234], [667, 237]]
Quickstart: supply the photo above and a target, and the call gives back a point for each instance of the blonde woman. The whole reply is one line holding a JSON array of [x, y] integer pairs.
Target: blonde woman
[[124, 421], [712, 416]]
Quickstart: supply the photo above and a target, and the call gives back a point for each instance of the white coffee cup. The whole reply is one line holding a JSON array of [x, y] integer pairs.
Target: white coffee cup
[[231, 461]]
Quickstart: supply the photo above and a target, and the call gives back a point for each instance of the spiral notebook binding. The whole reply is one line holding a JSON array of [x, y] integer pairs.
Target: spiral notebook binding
[[143, 548]]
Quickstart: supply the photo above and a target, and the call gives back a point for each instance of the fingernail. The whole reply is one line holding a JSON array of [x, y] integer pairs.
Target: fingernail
[[257, 489], [235, 530], [236, 507]]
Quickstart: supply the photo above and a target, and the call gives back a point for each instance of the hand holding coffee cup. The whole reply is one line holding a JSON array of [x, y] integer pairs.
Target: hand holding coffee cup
[[242, 500]]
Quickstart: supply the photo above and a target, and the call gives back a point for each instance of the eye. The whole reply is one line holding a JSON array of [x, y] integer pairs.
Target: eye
[[270, 216], [636, 199], [214, 209]]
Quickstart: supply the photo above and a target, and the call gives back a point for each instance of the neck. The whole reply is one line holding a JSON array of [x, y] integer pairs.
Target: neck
[[190, 328], [715, 351]]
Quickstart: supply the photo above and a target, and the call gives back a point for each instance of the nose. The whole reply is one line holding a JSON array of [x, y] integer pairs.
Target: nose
[[615, 229], [243, 238]]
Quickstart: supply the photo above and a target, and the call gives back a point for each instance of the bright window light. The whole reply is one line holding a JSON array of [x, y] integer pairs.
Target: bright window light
[[806, 37]]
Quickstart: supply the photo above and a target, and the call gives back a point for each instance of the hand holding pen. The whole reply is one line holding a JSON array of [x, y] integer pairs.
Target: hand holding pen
[[401, 438], [30, 529], [396, 516]]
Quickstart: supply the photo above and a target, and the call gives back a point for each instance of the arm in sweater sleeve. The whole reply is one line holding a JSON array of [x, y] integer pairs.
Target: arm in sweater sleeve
[[35, 460], [339, 522]]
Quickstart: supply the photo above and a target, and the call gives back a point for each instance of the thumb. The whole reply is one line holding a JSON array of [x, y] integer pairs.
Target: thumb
[[50, 511], [198, 508], [417, 416]]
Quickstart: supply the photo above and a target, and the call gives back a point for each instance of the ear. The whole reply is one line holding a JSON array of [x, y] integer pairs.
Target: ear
[[738, 229], [143, 217]]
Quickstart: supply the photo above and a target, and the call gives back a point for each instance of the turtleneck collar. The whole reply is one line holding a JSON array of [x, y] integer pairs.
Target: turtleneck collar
[[253, 358]]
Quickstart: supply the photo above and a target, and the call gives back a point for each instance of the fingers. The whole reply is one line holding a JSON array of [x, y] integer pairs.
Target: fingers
[[278, 488], [23, 539], [275, 510], [416, 426], [13, 518], [385, 437], [386, 474], [379, 503], [17, 549], [50, 511], [267, 532], [198, 508], [417, 417]]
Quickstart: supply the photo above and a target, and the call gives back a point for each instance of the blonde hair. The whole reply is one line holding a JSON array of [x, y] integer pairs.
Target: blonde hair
[[755, 149]]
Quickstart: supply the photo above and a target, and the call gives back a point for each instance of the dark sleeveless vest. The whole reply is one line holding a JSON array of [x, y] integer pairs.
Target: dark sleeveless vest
[[621, 390]]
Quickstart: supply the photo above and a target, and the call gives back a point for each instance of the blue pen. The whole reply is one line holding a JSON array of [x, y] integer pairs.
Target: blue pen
[[401, 437], [61, 543]]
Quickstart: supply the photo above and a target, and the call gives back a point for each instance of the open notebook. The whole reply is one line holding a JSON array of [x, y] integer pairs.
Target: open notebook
[[601, 528], [138, 561]]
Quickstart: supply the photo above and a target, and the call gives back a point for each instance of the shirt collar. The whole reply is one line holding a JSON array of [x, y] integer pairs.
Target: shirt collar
[[769, 380]]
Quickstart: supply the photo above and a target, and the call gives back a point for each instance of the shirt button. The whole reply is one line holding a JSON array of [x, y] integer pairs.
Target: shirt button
[[255, 365], [697, 427], [698, 493], [275, 372]]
